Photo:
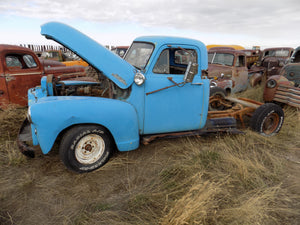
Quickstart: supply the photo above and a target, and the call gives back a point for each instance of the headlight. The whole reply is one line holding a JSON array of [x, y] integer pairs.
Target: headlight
[[29, 115], [271, 83], [139, 78]]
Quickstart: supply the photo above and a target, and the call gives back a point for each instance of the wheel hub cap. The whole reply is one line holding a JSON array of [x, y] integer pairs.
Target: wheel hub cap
[[89, 149]]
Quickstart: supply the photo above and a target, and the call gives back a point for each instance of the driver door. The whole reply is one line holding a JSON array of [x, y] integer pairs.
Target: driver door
[[170, 104], [22, 72]]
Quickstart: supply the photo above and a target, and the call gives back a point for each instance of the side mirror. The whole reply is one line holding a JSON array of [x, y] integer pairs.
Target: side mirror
[[191, 71]]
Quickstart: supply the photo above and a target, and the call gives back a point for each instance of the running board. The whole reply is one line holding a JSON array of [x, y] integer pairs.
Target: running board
[[214, 125]]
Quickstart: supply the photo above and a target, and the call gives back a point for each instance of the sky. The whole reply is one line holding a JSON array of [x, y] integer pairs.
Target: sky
[[265, 23]]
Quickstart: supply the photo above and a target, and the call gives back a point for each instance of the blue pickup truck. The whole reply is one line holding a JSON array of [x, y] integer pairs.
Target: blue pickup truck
[[160, 89]]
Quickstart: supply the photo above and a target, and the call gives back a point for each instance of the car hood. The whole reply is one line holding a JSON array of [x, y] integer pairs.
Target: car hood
[[112, 66], [215, 70]]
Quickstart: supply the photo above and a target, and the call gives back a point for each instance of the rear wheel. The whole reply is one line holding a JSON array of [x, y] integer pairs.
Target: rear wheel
[[85, 148], [267, 119]]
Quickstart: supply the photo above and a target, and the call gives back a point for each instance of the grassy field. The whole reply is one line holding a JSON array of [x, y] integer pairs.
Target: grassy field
[[228, 179]]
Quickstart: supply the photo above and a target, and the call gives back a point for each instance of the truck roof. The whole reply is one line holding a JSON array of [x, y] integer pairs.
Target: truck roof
[[231, 51], [175, 41]]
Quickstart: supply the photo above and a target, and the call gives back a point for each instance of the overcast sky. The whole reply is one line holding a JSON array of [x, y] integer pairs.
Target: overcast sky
[[266, 23]]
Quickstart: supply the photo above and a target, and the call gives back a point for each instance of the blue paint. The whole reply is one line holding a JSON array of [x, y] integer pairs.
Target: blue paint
[[173, 109], [53, 114], [92, 52]]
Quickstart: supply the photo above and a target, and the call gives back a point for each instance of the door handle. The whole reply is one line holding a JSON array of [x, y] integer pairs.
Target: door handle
[[9, 78], [197, 83]]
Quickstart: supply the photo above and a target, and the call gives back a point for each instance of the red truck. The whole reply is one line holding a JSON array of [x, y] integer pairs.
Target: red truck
[[20, 69]]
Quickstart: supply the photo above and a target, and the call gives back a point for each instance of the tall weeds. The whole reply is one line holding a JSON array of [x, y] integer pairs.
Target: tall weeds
[[221, 179]]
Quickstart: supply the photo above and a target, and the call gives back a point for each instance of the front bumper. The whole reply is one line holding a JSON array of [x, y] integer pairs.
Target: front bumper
[[23, 138]]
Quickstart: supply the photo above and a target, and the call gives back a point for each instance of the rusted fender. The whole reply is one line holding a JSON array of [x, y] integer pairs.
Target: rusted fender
[[255, 79], [272, 85], [226, 84], [280, 89]]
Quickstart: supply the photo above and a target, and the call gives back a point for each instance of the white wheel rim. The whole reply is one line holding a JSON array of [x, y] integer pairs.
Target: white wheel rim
[[89, 149]]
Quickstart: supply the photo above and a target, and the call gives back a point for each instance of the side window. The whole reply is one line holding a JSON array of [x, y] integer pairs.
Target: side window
[[13, 62], [29, 61], [174, 61], [240, 62]]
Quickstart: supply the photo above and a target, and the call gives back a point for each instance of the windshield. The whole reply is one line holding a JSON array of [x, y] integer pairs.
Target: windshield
[[277, 53], [220, 58], [139, 54]]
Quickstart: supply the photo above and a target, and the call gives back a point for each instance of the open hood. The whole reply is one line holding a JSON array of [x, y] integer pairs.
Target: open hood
[[110, 64]]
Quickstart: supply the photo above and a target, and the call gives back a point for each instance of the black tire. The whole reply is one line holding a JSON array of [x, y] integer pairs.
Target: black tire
[[218, 93], [267, 119], [85, 148]]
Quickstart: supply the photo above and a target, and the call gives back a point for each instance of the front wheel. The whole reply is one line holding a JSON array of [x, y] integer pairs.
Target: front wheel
[[85, 148], [267, 119]]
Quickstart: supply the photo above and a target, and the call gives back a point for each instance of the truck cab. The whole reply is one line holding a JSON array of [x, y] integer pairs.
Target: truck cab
[[227, 69], [20, 70], [273, 59]]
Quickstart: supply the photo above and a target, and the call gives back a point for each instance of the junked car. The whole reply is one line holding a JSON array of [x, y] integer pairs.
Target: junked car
[[151, 93], [284, 88], [273, 59], [21, 69], [227, 69]]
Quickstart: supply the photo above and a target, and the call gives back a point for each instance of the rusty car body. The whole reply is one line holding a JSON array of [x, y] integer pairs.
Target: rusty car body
[[20, 69], [252, 56], [227, 69], [273, 59], [285, 87]]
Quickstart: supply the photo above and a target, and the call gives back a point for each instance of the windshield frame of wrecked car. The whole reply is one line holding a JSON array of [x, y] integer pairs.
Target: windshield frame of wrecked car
[[277, 53], [226, 59], [139, 54]]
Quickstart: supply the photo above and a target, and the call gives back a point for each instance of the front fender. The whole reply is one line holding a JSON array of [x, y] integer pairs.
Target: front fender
[[255, 79], [226, 84], [51, 115]]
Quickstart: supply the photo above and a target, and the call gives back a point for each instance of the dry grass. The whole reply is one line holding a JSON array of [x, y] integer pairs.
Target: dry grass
[[241, 179]]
